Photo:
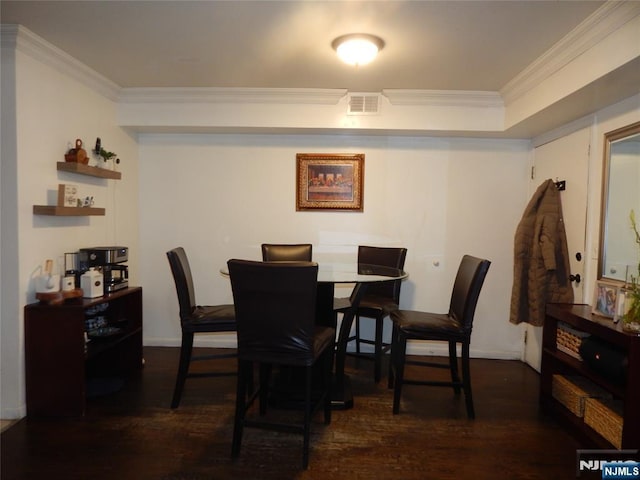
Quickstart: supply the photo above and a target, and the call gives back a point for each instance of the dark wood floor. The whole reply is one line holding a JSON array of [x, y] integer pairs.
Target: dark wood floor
[[133, 434]]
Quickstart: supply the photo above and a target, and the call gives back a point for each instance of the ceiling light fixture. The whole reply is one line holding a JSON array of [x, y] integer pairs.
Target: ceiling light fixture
[[357, 48]]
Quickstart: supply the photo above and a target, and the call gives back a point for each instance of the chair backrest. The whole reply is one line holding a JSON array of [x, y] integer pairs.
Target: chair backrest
[[387, 257], [275, 306], [184, 283], [466, 290], [289, 252]]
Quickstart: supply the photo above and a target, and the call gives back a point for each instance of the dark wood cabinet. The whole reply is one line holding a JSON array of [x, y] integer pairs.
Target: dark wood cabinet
[[62, 362], [554, 361]]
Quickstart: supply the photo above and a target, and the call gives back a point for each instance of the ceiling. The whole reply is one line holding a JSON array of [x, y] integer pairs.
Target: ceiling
[[431, 45]]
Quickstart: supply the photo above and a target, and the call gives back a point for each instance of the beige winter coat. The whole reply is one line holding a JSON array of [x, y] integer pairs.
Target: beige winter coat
[[541, 265]]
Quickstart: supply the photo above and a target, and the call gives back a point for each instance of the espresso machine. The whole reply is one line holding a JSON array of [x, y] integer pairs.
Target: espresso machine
[[110, 261]]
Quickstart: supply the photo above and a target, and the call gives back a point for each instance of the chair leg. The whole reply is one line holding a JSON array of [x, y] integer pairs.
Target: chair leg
[[307, 417], [357, 334], [244, 376], [250, 383], [183, 367], [328, 377], [466, 374], [400, 349], [265, 376], [394, 339], [453, 366], [377, 354]]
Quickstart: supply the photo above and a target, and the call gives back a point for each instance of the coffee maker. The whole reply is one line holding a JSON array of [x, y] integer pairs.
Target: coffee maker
[[110, 261]]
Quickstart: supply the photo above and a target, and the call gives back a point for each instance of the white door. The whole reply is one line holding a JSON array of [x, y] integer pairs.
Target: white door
[[565, 159]]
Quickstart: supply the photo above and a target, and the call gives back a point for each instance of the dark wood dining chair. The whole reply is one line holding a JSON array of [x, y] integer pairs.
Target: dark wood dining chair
[[286, 252], [195, 319], [453, 327], [379, 300], [276, 317]]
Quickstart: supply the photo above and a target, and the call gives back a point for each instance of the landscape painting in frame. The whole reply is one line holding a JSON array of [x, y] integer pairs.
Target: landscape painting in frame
[[329, 181]]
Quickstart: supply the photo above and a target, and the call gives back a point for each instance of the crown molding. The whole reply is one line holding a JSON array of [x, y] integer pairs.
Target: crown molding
[[304, 96], [449, 98], [607, 19], [27, 42], [298, 96]]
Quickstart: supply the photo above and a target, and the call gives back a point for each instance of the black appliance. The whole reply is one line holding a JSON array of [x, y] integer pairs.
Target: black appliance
[[110, 261]]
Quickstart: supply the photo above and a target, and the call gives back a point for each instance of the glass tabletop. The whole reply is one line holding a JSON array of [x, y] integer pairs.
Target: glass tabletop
[[357, 273], [331, 272]]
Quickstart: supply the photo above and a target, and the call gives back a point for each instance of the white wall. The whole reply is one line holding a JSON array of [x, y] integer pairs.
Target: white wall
[[221, 196], [52, 111]]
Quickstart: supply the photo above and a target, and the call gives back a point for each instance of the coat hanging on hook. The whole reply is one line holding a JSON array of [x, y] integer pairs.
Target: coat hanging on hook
[[541, 263]]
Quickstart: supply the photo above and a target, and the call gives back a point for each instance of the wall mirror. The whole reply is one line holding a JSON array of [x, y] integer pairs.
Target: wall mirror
[[619, 252]]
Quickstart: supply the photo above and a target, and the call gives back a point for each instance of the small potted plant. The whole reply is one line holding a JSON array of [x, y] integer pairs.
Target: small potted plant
[[104, 154], [631, 316]]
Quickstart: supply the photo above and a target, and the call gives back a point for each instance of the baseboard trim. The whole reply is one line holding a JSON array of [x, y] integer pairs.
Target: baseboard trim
[[437, 349]]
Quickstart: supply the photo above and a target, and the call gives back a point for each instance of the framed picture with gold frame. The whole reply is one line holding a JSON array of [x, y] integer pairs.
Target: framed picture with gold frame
[[326, 181]]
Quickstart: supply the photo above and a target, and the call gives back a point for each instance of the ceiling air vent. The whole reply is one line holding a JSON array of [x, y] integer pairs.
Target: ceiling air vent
[[363, 104]]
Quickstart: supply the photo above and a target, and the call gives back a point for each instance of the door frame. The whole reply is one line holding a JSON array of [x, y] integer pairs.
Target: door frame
[[532, 335]]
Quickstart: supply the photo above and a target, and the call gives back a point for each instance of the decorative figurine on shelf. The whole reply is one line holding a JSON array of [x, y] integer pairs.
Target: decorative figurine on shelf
[[105, 154], [631, 315], [47, 281], [86, 202], [77, 154]]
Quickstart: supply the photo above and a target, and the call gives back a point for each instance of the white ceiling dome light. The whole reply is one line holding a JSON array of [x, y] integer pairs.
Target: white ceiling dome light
[[357, 48]]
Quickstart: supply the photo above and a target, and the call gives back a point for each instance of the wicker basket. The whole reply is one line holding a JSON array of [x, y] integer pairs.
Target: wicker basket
[[568, 340], [573, 391], [605, 417]]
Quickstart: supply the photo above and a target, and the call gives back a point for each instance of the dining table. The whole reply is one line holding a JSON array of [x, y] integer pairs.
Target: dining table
[[361, 276]]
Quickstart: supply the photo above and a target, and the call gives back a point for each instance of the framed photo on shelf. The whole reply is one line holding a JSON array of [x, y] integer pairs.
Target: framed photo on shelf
[[67, 195], [605, 299], [327, 181]]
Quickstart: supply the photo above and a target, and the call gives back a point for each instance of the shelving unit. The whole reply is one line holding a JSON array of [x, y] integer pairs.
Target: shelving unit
[[61, 365], [66, 211], [83, 169], [80, 169], [555, 362]]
